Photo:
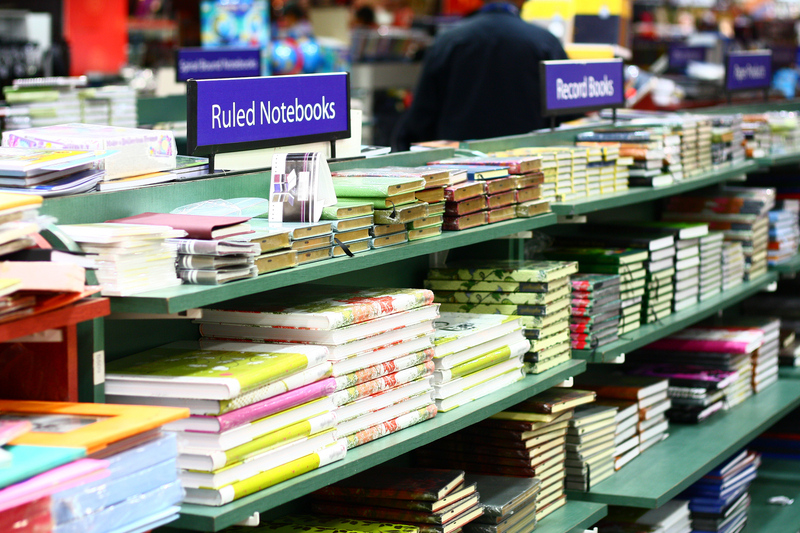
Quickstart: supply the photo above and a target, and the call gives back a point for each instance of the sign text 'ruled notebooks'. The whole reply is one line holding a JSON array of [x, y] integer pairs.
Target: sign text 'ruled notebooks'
[[90, 426]]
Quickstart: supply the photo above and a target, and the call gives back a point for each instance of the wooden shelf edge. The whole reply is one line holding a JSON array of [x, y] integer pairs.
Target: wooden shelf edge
[[674, 322], [203, 518], [80, 311]]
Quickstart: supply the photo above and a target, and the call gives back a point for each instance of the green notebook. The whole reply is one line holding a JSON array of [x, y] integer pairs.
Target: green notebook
[[371, 188]]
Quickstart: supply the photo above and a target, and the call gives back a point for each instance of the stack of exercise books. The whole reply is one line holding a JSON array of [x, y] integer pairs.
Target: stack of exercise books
[[590, 446], [212, 262], [536, 291], [114, 471], [129, 258], [393, 199], [719, 500], [626, 435], [527, 440], [433, 500], [312, 523], [627, 263], [765, 357], [555, 166], [717, 340], [733, 265], [352, 224], [370, 336], [41, 102], [649, 393], [508, 503], [475, 355], [50, 172], [784, 232], [672, 517], [727, 141], [711, 248], [595, 318], [600, 167], [113, 105]]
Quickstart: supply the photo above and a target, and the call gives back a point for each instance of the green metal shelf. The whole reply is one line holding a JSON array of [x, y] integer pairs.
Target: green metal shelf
[[778, 160], [185, 297], [763, 516], [669, 467], [574, 517], [636, 195], [674, 322], [788, 268], [789, 372], [202, 518]]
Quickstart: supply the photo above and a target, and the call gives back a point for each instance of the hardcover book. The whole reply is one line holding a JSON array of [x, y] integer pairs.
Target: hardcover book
[[424, 484], [358, 187], [196, 226], [554, 400], [505, 271]]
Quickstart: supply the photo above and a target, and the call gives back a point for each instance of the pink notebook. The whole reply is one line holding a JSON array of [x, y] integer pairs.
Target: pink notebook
[[11, 429], [710, 340], [197, 226]]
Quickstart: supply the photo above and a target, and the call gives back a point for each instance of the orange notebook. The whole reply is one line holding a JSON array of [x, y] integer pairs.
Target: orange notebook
[[92, 426]]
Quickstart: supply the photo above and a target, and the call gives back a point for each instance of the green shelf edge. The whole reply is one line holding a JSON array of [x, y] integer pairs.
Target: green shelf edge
[[202, 518], [575, 516], [674, 322], [778, 160], [789, 372], [792, 266], [636, 195], [763, 516], [183, 297], [669, 467]]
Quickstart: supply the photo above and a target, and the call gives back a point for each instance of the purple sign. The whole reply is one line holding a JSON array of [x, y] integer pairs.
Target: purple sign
[[265, 112], [581, 85], [205, 64], [748, 70], [680, 55]]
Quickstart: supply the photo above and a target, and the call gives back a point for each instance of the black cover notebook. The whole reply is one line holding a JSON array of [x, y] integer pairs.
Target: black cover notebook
[[502, 496]]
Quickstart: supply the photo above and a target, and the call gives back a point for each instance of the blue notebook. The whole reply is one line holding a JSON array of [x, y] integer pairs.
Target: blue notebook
[[27, 461]]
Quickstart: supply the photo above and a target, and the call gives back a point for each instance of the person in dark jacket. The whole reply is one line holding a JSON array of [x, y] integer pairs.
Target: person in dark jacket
[[480, 79]]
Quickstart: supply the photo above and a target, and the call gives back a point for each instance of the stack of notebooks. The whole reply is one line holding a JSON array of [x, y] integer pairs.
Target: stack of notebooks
[[258, 417], [727, 141], [49, 172], [465, 204], [687, 261], [590, 446], [475, 355], [352, 225], [527, 440], [288, 244], [734, 348], [601, 167], [627, 263], [509, 504], [34, 104], [711, 248], [536, 291], [211, 262], [555, 166], [626, 436], [649, 393], [719, 500], [394, 202], [741, 213], [672, 517], [311, 523], [784, 232], [18, 221], [129, 258], [379, 343], [734, 265], [765, 357], [433, 500], [113, 471], [595, 312]]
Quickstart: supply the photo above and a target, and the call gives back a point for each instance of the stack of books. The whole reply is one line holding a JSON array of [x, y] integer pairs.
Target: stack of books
[[687, 263], [252, 411], [128, 258], [627, 263], [369, 335], [727, 141], [433, 500], [393, 199], [18, 221], [711, 247], [536, 291], [115, 471], [212, 262], [719, 500], [288, 244], [784, 232], [704, 135], [38, 103], [649, 393], [672, 517], [555, 166], [590, 446], [476, 355], [771, 133], [49, 172], [626, 436], [733, 265], [465, 205], [351, 224], [765, 357], [312, 523], [595, 311], [604, 163], [509, 504], [728, 342], [112, 105]]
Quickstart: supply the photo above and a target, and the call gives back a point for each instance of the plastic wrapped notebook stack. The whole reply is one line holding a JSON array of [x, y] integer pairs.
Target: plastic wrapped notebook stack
[[626, 434], [536, 291], [595, 314], [432, 500], [590, 446], [209, 262], [527, 441], [719, 500], [476, 355], [784, 232], [114, 471], [509, 504]]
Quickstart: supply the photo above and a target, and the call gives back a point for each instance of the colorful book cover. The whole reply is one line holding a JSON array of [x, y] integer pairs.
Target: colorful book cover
[[390, 426], [28, 461], [505, 271], [457, 331], [486, 360], [710, 340], [399, 483], [338, 523], [506, 309], [495, 286], [368, 388], [499, 298], [11, 429], [464, 191], [383, 369], [593, 282], [317, 306], [177, 371]]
